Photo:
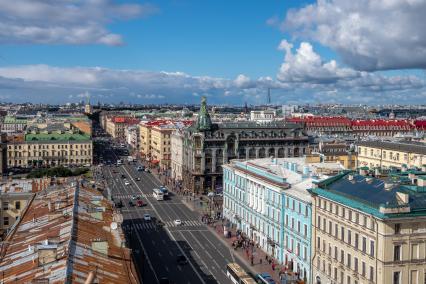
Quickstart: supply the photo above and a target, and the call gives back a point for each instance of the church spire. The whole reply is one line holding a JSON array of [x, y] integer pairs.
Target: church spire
[[204, 122]]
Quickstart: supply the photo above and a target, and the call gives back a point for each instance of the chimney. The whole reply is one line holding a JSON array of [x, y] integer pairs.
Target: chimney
[[403, 197], [388, 185]]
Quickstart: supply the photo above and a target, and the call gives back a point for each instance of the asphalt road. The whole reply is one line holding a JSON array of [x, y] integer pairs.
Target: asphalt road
[[207, 255]]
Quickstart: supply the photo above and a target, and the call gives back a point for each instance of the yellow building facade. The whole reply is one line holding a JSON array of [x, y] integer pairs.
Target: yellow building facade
[[365, 230], [390, 154]]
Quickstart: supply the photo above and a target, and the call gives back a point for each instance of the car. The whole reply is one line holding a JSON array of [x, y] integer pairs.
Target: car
[[134, 197], [164, 280], [139, 168], [126, 182], [123, 176], [181, 259], [147, 170], [140, 203], [177, 222], [119, 204], [138, 179], [147, 217], [131, 204]]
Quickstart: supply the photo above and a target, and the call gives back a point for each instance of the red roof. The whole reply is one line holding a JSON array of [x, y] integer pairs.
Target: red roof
[[381, 122], [167, 121], [420, 124], [323, 120], [127, 120]]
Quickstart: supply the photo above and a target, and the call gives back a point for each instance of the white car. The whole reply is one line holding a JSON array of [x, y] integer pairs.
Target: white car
[[126, 182], [178, 222], [147, 217]]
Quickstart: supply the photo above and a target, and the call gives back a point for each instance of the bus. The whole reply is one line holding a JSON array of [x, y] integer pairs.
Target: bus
[[158, 194], [237, 275]]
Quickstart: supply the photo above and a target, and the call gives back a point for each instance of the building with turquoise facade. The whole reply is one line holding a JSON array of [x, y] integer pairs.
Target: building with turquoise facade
[[267, 200]]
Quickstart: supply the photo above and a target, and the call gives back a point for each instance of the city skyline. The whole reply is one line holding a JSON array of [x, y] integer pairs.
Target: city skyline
[[176, 51]]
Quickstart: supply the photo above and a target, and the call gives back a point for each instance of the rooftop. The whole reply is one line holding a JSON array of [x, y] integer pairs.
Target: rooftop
[[66, 234], [385, 197], [413, 147], [296, 173]]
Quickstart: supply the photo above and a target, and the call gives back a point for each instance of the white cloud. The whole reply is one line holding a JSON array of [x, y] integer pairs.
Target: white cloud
[[65, 21], [307, 66], [367, 34], [43, 83]]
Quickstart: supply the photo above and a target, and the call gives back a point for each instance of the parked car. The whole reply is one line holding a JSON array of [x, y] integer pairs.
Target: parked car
[[178, 222], [131, 204], [147, 217], [140, 203], [126, 182]]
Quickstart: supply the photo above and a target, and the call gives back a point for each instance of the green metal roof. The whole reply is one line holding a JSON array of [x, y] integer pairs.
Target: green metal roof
[[57, 137]]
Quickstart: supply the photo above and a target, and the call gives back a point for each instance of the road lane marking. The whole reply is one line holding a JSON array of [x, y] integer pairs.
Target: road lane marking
[[168, 231]]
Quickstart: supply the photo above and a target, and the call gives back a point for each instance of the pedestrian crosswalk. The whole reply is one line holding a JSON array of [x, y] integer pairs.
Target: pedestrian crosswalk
[[146, 226], [184, 223], [129, 196]]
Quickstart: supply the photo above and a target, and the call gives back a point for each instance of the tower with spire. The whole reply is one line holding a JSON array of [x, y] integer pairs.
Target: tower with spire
[[204, 122], [88, 107]]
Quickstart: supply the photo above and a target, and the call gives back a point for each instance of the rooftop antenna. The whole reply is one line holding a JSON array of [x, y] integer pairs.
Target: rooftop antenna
[[269, 96]]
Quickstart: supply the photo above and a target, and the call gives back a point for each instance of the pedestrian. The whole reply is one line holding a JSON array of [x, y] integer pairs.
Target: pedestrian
[[266, 257], [260, 261], [273, 266]]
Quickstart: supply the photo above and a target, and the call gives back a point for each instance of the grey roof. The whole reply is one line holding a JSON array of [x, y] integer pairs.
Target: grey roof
[[413, 147]]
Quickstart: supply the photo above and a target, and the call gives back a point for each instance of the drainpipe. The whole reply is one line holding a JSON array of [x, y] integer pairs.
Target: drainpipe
[[90, 278], [376, 250]]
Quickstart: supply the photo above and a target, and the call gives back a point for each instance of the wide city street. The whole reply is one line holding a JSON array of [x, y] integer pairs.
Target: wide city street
[[160, 238]]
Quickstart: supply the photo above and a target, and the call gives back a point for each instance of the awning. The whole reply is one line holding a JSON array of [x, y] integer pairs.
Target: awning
[[155, 161]]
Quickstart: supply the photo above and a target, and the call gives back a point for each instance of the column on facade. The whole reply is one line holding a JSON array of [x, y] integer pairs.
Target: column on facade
[[214, 160], [257, 152], [225, 157], [203, 162], [276, 152], [247, 152]]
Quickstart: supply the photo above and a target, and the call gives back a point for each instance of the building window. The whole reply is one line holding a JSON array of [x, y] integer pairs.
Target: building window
[[371, 273], [397, 277], [414, 277], [356, 240], [397, 228], [356, 264], [5, 205], [319, 222], [18, 205], [6, 221], [348, 260], [364, 245], [372, 248], [342, 256], [305, 227], [397, 252], [318, 242], [342, 233], [349, 240], [415, 252], [363, 269]]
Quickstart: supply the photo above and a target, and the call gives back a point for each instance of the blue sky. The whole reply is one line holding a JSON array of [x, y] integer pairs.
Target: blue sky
[[227, 50], [215, 38]]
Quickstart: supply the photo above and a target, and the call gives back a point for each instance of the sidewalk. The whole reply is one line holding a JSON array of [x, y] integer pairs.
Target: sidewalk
[[262, 263]]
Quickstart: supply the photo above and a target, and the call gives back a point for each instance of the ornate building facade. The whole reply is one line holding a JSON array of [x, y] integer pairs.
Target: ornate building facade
[[207, 146]]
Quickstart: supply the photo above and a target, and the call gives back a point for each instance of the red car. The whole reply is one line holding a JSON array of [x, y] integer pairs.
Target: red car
[[140, 203]]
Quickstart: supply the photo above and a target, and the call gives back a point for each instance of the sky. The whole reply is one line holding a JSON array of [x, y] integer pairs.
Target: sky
[[232, 52]]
